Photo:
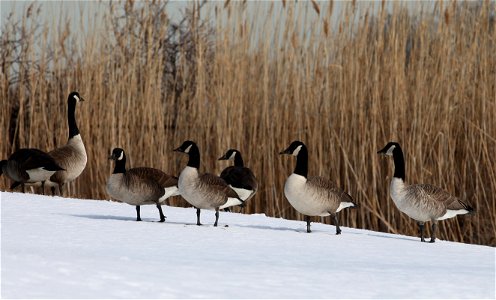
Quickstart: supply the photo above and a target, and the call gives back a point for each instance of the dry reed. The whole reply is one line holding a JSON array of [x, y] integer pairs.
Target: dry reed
[[345, 88]]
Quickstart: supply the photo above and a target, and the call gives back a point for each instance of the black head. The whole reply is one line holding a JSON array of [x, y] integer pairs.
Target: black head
[[117, 154], [294, 148], [186, 147], [230, 154], [389, 149], [75, 97]]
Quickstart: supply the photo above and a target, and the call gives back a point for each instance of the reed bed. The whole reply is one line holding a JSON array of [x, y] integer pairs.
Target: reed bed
[[256, 76]]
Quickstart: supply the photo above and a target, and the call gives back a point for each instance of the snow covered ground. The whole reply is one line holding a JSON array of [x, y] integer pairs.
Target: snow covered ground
[[53, 247]]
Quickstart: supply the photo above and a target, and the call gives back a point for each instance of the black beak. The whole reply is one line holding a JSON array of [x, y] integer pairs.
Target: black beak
[[178, 149], [111, 157], [81, 98], [287, 151], [382, 151], [223, 157]]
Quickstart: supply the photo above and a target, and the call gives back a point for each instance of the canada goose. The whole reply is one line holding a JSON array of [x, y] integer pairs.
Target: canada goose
[[72, 156], [313, 195], [205, 191], [139, 186], [238, 177], [421, 202], [29, 166]]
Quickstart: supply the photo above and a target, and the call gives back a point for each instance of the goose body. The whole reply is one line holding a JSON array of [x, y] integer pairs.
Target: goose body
[[139, 186], [240, 178], [421, 202], [203, 191], [313, 195], [29, 166], [72, 156]]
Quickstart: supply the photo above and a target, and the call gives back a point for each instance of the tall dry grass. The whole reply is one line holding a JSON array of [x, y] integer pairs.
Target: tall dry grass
[[344, 85]]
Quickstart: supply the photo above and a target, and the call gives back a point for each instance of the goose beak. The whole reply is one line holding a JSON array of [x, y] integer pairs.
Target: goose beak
[[285, 152], [223, 157], [111, 157], [81, 98], [178, 149], [382, 152]]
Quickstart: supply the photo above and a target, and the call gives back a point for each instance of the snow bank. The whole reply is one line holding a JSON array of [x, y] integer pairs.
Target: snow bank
[[54, 247]]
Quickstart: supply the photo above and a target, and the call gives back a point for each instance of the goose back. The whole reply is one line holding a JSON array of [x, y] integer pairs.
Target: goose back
[[30, 165]]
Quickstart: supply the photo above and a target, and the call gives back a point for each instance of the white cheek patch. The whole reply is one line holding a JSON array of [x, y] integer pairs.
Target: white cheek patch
[[233, 155], [187, 149], [76, 97], [121, 156], [297, 150], [390, 150]]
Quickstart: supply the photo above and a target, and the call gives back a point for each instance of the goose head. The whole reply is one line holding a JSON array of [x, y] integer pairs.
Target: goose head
[[75, 97], [186, 147], [389, 149], [229, 155], [293, 149], [117, 154]]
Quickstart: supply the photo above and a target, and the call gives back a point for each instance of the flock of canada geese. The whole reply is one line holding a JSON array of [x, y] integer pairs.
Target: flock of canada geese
[[309, 195]]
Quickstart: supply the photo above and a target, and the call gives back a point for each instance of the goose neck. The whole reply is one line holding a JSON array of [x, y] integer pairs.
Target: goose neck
[[399, 163], [302, 162]]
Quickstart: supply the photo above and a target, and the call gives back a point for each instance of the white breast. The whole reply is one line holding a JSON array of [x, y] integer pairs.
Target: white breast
[[301, 198], [187, 183], [79, 160], [119, 191], [411, 207]]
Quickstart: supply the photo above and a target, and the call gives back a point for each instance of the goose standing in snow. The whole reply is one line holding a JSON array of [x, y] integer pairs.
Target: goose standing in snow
[[139, 186], [72, 156], [240, 178], [313, 195], [29, 166], [203, 191], [421, 202]]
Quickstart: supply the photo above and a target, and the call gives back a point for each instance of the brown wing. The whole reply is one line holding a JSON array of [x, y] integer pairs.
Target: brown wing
[[164, 180], [218, 184], [439, 196], [328, 188]]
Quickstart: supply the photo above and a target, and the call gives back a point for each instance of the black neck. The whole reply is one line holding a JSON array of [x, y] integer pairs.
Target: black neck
[[194, 157], [302, 162], [238, 160], [120, 165], [71, 118], [399, 163]]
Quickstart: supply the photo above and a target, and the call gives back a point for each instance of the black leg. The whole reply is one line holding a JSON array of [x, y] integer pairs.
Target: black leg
[[162, 217], [53, 190], [421, 230], [43, 187], [138, 217], [61, 189], [198, 217], [307, 218], [433, 233], [216, 216], [14, 185], [336, 223], [23, 188]]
